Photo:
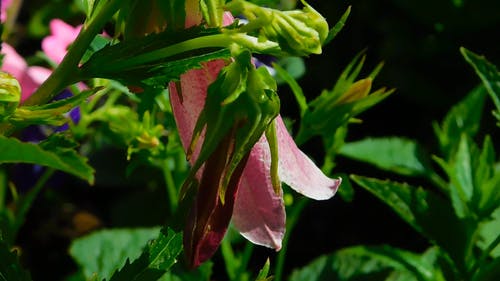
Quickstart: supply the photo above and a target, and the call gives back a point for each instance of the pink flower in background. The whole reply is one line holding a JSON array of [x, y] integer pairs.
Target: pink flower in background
[[55, 46], [3, 12], [29, 77]]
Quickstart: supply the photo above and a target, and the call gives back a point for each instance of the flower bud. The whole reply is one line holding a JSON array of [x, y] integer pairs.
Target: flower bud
[[298, 32], [10, 95]]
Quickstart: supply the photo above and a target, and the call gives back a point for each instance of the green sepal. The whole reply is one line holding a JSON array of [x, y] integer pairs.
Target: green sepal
[[51, 113], [243, 111]]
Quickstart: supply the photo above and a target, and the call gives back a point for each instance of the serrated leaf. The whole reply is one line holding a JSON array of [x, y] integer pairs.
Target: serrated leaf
[[487, 72], [399, 155], [201, 273], [65, 159], [369, 263], [104, 251], [463, 118], [155, 260], [427, 212], [10, 268]]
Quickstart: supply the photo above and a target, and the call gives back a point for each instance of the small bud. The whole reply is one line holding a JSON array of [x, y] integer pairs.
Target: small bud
[[10, 95], [356, 91]]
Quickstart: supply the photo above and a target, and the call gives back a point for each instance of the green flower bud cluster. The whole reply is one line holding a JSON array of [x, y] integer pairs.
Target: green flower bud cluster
[[10, 95], [298, 32]]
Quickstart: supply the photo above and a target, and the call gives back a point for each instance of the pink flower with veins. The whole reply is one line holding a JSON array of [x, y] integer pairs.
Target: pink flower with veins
[[56, 45], [258, 212], [29, 77]]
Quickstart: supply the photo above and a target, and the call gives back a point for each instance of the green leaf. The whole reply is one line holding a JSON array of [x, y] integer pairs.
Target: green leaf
[[201, 273], [10, 269], [473, 179], [338, 26], [488, 74], [264, 272], [463, 118], [65, 159], [399, 155], [155, 260], [427, 212], [370, 263], [296, 89], [104, 251], [488, 232], [459, 171]]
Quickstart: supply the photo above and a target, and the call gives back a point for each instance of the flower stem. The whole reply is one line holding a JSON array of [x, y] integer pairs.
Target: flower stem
[[68, 72], [209, 41], [291, 222], [170, 186]]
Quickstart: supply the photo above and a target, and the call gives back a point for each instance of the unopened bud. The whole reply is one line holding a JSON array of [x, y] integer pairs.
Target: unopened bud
[[10, 95]]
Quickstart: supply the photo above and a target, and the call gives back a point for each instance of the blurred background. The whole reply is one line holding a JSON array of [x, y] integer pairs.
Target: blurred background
[[419, 42]]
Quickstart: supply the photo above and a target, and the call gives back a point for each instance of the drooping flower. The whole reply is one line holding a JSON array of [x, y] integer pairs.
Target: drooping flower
[[55, 46], [259, 212], [253, 197]]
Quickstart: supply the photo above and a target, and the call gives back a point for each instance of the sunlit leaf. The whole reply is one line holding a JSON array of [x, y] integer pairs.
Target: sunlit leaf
[[155, 260], [399, 155], [488, 73], [61, 158], [370, 263], [419, 208]]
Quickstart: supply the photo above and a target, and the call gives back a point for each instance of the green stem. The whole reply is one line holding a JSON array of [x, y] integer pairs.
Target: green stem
[[26, 201], [247, 254], [3, 188], [209, 41], [170, 186], [291, 222], [68, 72]]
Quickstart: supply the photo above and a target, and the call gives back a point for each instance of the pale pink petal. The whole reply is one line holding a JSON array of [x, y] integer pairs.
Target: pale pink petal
[[13, 63], [55, 46], [31, 80], [3, 11], [299, 171], [188, 103], [259, 213]]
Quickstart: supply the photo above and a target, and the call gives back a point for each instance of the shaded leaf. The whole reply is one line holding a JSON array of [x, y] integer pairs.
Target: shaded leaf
[[65, 159], [369, 263], [488, 232], [105, 251], [427, 212], [488, 73], [10, 269], [296, 89], [338, 26], [155, 260], [463, 118], [399, 155], [201, 273]]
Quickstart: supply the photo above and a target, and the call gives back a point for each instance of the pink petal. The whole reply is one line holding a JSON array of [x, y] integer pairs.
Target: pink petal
[[13, 63], [55, 46], [31, 80], [299, 171], [187, 106], [259, 213]]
